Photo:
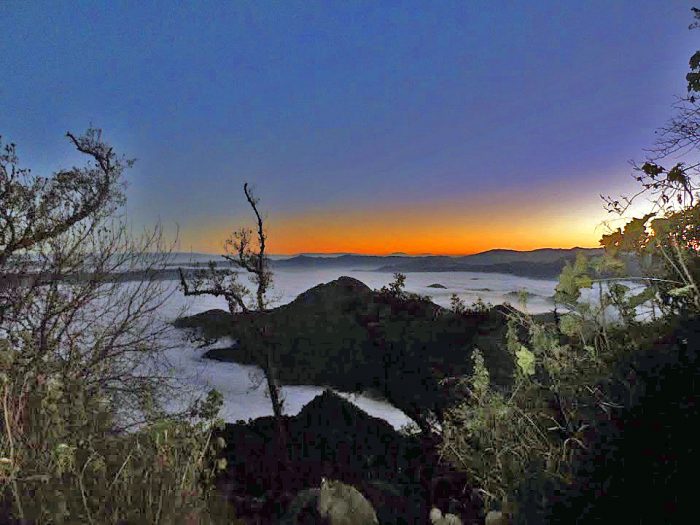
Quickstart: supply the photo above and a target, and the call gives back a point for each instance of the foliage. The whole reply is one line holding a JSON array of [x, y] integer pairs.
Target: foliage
[[68, 466], [572, 279], [79, 358], [396, 291], [494, 435], [668, 245], [397, 286], [582, 377], [536, 429], [479, 306], [641, 457], [457, 304]]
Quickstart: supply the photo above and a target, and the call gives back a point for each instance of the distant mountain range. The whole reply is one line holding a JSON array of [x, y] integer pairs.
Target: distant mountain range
[[543, 263]]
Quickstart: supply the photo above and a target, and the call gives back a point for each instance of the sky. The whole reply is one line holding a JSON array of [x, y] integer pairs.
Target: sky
[[367, 127]]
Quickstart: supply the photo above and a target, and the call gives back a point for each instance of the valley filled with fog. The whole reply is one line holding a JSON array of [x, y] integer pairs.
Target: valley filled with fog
[[245, 396]]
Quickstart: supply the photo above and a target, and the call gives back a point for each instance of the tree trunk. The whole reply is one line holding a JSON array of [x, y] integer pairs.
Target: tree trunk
[[273, 388]]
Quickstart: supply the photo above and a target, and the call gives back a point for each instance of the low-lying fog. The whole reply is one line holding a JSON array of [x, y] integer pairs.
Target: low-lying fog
[[245, 398]]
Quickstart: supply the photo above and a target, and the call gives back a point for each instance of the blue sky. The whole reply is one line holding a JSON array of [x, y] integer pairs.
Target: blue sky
[[346, 107]]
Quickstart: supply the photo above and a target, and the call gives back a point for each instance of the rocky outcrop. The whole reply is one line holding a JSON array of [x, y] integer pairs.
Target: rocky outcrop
[[332, 438], [438, 518], [348, 336], [496, 517], [334, 503], [343, 504]]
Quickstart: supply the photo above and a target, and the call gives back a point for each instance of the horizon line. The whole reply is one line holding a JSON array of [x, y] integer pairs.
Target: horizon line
[[403, 254]]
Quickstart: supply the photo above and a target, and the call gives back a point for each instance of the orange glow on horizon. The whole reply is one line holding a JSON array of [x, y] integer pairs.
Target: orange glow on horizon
[[440, 229]]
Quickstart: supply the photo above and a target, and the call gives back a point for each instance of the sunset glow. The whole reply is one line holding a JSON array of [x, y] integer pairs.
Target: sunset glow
[[438, 228], [451, 130]]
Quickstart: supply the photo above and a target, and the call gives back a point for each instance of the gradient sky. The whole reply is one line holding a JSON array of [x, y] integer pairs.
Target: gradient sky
[[442, 127]]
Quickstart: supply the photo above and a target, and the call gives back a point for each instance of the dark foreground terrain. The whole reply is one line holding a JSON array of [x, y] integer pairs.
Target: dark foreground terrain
[[400, 475], [406, 349], [345, 335], [640, 462]]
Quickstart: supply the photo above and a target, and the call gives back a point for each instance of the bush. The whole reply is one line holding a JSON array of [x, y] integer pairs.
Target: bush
[[79, 363]]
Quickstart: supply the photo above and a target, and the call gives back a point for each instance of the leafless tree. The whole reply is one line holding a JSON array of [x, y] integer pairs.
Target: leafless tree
[[670, 175], [81, 341], [65, 314], [245, 249]]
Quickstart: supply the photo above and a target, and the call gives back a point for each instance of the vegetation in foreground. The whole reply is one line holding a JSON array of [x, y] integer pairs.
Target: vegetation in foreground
[[595, 423], [84, 436], [595, 426]]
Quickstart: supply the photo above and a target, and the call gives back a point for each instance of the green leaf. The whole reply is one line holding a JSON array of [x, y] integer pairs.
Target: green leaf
[[570, 325], [526, 361], [572, 279], [681, 292]]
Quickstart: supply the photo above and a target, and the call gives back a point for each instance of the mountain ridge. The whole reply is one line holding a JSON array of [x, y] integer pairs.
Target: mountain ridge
[[542, 262]]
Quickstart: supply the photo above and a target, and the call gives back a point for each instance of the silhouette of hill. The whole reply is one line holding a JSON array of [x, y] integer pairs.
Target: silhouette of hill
[[335, 439], [545, 262], [345, 335]]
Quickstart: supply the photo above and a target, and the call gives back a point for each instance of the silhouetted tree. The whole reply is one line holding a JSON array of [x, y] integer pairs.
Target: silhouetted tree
[[673, 186], [243, 252], [79, 357]]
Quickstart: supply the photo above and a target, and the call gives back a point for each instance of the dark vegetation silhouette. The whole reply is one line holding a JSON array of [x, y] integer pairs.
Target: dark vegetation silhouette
[[596, 428], [643, 457], [243, 253], [582, 416], [84, 437]]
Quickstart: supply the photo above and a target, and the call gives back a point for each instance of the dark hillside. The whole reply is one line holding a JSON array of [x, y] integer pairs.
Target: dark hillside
[[333, 438], [541, 263], [347, 336]]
